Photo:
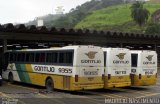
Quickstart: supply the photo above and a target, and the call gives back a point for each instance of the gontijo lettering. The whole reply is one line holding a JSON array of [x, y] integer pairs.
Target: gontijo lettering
[[120, 62], [44, 68], [90, 61]]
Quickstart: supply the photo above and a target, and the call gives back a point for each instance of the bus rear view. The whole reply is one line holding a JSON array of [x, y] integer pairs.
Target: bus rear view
[[144, 68], [89, 68], [117, 67]]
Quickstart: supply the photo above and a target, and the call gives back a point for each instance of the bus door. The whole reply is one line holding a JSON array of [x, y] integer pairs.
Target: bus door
[[66, 82], [134, 65]]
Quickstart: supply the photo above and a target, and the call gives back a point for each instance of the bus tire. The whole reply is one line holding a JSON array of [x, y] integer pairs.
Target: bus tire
[[49, 84], [10, 78]]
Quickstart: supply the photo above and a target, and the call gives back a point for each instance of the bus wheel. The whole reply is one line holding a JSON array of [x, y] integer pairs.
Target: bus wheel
[[49, 84], [10, 78]]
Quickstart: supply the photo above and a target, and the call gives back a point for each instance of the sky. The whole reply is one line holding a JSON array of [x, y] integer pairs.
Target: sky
[[22, 11]]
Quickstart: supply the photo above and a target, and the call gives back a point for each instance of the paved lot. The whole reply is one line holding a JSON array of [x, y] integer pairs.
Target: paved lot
[[26, 94]]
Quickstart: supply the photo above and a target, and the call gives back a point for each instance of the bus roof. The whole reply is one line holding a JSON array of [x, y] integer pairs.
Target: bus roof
[[109, 49], [141, 51], [56, 48]]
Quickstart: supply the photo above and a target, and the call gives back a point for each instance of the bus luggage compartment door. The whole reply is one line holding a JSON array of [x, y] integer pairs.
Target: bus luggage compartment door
[[66, 82]]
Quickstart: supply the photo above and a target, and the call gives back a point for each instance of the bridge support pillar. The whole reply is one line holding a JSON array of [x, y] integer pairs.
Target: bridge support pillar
[[121, 45], [4, 45], [155, 47]]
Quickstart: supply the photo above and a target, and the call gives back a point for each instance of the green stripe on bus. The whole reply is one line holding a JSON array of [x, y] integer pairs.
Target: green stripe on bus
[[19, 70], [27, 79], [23, 75]]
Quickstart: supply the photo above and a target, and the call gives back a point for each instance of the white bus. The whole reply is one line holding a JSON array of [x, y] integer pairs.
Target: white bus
[[117, 62], [144, 68], [67, 68]]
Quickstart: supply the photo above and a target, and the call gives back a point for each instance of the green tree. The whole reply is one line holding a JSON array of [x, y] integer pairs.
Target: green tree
[[139, 14], [153, 29]]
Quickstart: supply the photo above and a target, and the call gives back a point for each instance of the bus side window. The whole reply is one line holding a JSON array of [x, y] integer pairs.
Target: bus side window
[[69, 57], [42, 57], [52, 57], [18, 57], [61, 57], [134, 58], [31, 57], [37, 57], [105, 54], [27, 57], [48, 57], [23, 55], [66, 58]]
